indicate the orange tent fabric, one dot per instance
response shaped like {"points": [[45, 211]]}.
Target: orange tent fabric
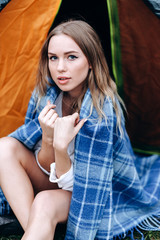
{"points": [[23, 28]]}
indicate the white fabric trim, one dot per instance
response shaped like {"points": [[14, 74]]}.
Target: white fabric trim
{"points": [[65, 181], [36, 156]]}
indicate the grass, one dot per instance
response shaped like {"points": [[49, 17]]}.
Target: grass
{"points": [[150, 235]]}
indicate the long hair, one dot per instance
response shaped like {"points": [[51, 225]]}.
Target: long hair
{"points": [[99, 81]]}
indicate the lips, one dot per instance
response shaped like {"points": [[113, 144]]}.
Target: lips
{"points": [[63, 80]]}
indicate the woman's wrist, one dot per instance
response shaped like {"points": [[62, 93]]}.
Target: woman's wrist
{"points": [[60, 147], [62, 160], [47, 140], [46, 153]]}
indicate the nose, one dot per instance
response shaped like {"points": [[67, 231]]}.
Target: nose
{"points": [[61, 67]]}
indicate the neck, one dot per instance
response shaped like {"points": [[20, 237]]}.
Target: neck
{"points": [[68, 104], [76, 92], [69, 97]]}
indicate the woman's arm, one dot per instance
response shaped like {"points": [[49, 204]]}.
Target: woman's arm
{"points": [[65, 129], [47, 119]]}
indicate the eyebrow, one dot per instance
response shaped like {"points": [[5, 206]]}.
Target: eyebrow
{"points": [[72, 51]]}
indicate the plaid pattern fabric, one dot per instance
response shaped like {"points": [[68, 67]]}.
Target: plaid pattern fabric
{"points": [[4, 206], [30, 133], [114, 190]]}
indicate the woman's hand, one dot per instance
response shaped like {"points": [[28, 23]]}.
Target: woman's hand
{"points": [[65, 129], [47, 119]]}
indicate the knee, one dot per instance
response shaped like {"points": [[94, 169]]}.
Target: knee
{"points": [[8, 146], [43, 207], [41, 202], [6, 142]]}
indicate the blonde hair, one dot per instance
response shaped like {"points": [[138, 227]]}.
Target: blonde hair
{"points": [[99, 81]]}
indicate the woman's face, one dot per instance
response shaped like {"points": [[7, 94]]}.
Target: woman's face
{"points": [[67, 64]]}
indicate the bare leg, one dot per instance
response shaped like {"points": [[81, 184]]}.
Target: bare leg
{"points": [[49, 208], [19, 177]]}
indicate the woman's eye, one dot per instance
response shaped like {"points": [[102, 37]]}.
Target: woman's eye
{"points": [[71, 57], [52, 58]]}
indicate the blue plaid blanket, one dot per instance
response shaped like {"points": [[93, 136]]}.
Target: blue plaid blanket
{"points": [[114, 189]]}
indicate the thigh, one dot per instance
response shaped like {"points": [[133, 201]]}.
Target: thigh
{"points": [[14, 152]]}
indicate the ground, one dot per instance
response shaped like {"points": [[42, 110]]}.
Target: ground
{"points": [[13, 231]]}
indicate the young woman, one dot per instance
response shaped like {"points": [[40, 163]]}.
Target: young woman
{"points": [[73, 151]]}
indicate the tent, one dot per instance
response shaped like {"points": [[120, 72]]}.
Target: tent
{"points": [[130, 33]]}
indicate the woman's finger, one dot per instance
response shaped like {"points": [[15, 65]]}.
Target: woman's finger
{"points": [[79, 125], [75, 116], [46, 109], [53, 118], [49, 114]]}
